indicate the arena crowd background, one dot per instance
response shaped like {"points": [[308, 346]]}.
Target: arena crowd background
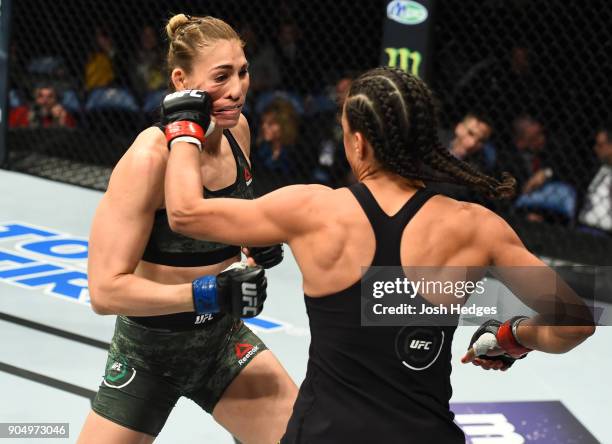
{"points": [[537, 72]]}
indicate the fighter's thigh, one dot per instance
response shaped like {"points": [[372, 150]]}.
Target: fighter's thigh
{"points": [[256, 406], [99, 430]]}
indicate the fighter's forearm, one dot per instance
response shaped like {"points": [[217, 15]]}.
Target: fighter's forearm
{"points": [[183, 187], [132, 295], [552, 339]]}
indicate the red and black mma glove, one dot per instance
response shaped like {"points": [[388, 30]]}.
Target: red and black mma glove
{"points": [[186, 116], [503, 336], [267, 257]]}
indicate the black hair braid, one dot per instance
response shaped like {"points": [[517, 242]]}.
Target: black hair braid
{"points": [[394, 113], [366, 118], [442, 160], [418, 116], [438, 157], [404, 145], [370, 123], [395, 133]]}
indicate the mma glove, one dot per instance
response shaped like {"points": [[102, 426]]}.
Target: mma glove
{"points": [[239, 290], [493, 334], [186, 117], [267, 257]]}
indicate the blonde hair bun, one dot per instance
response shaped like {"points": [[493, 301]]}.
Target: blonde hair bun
{"points": [[175, 23]]}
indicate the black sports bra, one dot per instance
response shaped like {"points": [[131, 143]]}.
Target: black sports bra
{"points": [[166, 247]]}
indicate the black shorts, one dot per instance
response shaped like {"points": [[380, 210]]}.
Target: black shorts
{"points": [[148, 370]]}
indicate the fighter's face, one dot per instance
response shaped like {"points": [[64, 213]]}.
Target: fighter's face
{"points": [[221, 70]]}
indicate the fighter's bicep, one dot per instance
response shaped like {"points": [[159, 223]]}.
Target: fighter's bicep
{"points": [[293, 210], [117, 240], [505, 247], [277, 217], [122, 223]]}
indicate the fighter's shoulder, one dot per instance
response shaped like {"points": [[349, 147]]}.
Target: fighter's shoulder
{"points": [[143, 163], [462, 221], [147, 154], [300, 194]]}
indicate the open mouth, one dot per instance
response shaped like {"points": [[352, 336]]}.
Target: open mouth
{"points": [[229, 109]]}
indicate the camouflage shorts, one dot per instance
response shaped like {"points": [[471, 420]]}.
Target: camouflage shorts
{"points": [[148, 370]]}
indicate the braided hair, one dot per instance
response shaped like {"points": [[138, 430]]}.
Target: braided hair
{"points": [[395, 111]]}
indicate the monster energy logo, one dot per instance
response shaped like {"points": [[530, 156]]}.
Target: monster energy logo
{"points": [[404, 59]]}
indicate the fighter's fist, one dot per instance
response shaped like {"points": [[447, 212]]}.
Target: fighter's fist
{"points": [[267, 257], [239, 290], [186, 116]]}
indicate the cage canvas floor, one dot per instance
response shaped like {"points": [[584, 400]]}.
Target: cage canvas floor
{"points": [[52, 352]]}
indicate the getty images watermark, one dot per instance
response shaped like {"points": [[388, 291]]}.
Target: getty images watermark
{"points": [[449, 296]]}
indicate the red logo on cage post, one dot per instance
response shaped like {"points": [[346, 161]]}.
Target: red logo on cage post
{"points": [[248, 177]]}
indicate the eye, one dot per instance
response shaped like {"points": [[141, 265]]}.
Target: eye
{"points": [[243, 72], [221, 78]]}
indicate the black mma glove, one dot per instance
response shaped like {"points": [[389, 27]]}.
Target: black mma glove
{"points": [[502, 337], [239, 290], [267, 257], [186, 116]]}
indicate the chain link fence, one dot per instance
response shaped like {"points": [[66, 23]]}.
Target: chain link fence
{"points": [[523, 86]]}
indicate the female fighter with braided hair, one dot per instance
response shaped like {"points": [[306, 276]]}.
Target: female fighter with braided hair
{"points": [[372, 384], [174, 337]]}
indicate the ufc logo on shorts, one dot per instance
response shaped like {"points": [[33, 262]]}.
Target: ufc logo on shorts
{"points": [[420, 345], [249, 296]]}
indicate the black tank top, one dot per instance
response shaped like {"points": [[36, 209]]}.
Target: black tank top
{"points": [[166, 247], [357, 388]]}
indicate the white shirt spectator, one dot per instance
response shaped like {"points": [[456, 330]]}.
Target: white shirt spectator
{"points": [[597, 210]]}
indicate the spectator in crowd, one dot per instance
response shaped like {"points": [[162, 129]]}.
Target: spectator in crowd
{"points": [[528, 159], [541, 172], [468, 141], [147, 73], [274, 156], [264, 69], [324, 133], [101, 70], [45, 112], [596, 214]]}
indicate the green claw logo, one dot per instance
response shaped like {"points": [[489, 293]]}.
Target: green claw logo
{"points": [[405, 59]]}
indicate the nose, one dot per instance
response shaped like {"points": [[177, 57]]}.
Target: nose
{"points": [[235, 88]]}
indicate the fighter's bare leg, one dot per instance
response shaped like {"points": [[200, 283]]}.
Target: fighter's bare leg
{"points": [[99, 430], [257, 405]]}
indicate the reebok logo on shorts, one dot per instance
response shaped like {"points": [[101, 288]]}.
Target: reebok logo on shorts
{"points": [[244, 352]]}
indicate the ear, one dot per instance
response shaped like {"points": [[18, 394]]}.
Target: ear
{"points": [[178, 79], [359, 145]]}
